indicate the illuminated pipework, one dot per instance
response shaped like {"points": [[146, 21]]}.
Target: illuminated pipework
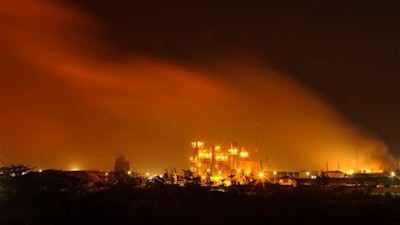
{"points": [[233, 151], [233, 158], [204, 154], [221, 157], [197, 144], [216, 163]]}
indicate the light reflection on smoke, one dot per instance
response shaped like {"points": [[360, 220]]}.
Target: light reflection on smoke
{"points": [[169, 101]]}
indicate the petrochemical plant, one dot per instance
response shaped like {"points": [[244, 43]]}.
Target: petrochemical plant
{"points": [[216, 165]]}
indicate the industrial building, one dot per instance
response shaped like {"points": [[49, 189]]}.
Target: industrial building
{"points": [[220, 165], [121, 164]]}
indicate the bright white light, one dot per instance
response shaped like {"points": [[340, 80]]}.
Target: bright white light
{"points": [[350, 172]]}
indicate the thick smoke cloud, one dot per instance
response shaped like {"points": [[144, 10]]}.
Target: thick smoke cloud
{"points": [[69, 102]]}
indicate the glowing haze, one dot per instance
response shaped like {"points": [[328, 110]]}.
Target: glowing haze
{"points": [[70, 101]]}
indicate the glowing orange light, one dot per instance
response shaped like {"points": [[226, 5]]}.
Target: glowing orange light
{"points": [[244, 154], [233, 151], [221, 157], [350, 172], [197, 144]]}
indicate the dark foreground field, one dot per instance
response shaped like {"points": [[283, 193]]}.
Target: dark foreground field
{"points": [[199, 205]]}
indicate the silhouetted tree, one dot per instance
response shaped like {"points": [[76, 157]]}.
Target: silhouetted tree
{"points": [[190, 179], [14, 170]]}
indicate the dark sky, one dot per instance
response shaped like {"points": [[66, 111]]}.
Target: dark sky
{"points": [[86, 79]]}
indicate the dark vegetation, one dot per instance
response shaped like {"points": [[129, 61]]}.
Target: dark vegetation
{"points": [[51, 197]]}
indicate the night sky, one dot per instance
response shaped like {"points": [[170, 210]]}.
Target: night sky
{"points": [[307, 83]]}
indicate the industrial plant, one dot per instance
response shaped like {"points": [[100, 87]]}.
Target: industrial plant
{"points": [[217, 182], [216, 165]]}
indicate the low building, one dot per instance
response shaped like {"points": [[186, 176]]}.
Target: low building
{"points": [[333, 174]]}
